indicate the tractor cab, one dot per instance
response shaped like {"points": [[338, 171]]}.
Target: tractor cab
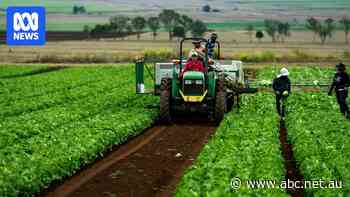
{"points": [[194, 83]]}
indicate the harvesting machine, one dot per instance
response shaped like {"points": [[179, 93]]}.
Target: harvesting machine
{"points": [[214, 91]]}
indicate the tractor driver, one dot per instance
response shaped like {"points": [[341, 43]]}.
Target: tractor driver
{"points": [[193, 64], [199, 49]]}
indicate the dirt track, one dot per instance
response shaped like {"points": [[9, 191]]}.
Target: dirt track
{"points": [[148, 165], [292, 169]]}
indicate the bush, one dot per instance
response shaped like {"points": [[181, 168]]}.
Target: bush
{"points": [[265, 56], [206, 8], [158, 54], [301, 55]]}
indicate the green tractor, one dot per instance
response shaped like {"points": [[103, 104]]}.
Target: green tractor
{"points": [[214, 91]]}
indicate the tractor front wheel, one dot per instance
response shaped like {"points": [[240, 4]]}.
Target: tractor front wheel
{"points": [[165, 95]]}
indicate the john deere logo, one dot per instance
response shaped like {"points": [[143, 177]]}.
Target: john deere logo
{"points": [[26, 26]]}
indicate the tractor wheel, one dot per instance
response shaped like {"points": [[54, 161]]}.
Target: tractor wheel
{"points": [[220, 101], [165, 94]]}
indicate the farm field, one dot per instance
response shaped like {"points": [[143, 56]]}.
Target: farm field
{"points": [[235, 44], [321, 152], [236, 149], [55, 121], [232, 15], [245, 145]]}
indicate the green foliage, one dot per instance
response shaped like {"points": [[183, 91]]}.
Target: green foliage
{"points": [[206, 8], [186, 22], [313, 25], [277, 29], [320, 137], [345, 23], [271, 28], [198, 28], [283, 30], [79, 9], [299, 74], [120, 25], [245, 145], [323, 29], [154, 24], [139, 23], [7, 71], [259, 35], [169, 19], [53, 124], [326, 29], [179, 32], [264, 56], [158, 54]]}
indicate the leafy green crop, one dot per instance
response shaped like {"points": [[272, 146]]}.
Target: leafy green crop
{"points": [[246, 145], [63, 120], [320, 137], [7, 71], [298, 75]]}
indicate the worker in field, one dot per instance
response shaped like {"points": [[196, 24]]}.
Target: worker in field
{"points": [[199, 49], [193, 64], [341, 83], [211, 45], [282, 88]]}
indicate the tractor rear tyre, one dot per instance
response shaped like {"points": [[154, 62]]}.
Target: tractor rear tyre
{"points": [[220, 101], [165, 95]]}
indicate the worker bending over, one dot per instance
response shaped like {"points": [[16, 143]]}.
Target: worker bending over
{"points": [[282, 88]]}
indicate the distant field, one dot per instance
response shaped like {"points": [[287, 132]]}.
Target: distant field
{"points": [[78, 25], [258, 24], [235, 44], [233, 15], [64, 6]]}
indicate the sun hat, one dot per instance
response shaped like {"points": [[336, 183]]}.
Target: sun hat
{"points": [[283, 72]]}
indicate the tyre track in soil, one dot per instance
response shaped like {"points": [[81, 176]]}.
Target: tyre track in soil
{"points": [[292, 170], [146, 165]]}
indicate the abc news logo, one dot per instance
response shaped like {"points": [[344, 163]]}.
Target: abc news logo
{"points": [[26, 26]]}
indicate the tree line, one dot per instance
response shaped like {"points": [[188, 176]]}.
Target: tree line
{"points": [[177, 25], [278, 31]]}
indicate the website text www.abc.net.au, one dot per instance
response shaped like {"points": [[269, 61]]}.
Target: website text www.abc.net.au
{"points": [[237, 183]]}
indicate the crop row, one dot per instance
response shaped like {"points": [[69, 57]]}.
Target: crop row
{"points": [[246, 145], [320, 137], [41, 146], [300, 75], [24, 126], [18, 103], [8, 71], [53, 82]]}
